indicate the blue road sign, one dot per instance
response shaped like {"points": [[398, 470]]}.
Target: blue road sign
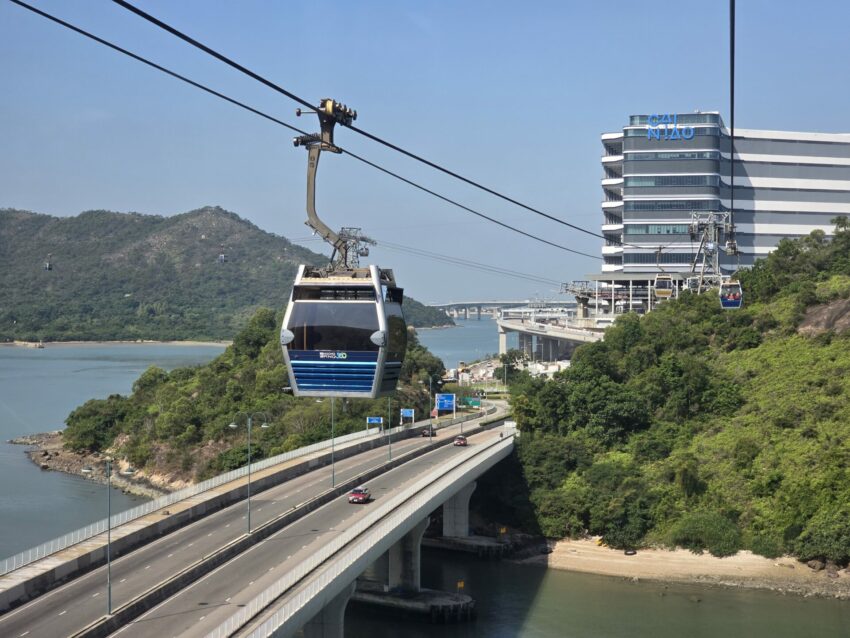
{"points": [[374, 420], [445, 401], [407, 413]]}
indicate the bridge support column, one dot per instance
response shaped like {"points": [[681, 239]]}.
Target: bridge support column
{"points": [[479, 313], [466, 313], [456, 513], [404, 564], [525, 344], [503, 341], [329, 623]]}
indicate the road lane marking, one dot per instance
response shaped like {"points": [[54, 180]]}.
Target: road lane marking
{"points": [[63, 613], [122, 580], [95, 595], [25, 633], [227, 600], [170, 555], [210, 534]]}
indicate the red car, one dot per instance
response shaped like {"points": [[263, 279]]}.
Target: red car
{"points": [[359, 495], [460, 441]]}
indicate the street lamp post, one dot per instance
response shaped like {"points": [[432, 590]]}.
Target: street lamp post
{"points": [[234, 425], [333, 469], [430, 408], [108, 537], [390, 426]]}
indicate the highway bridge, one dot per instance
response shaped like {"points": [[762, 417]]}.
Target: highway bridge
{"points": [[294, 570], [493, 307]]}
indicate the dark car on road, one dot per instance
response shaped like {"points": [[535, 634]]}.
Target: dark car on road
{"points": [[359, 495], [427, 432]]}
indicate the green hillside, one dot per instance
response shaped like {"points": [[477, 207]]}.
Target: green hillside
{"points": [[175, 424], [131, 276], [703, 428]]}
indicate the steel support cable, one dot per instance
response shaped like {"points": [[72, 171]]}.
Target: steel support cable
{"points": [[459, 261], [271, 118], [223, 58]]}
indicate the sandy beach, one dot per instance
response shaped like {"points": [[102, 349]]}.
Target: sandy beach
{"points": [[745, 569]]}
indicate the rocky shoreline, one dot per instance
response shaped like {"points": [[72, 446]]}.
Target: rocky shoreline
{"points": [[48, 453]]}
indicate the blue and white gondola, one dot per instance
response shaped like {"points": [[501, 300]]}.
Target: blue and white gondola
{"points": [[344, 334], [731, 295]]}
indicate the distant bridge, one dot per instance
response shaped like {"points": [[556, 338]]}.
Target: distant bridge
{"points": [[492, 307]]}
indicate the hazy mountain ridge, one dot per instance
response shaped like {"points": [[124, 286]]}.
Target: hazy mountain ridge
{"points": [[134, 276]]}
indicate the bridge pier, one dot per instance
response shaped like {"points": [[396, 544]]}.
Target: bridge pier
{"points": [[404, 573], [466, 313], [329, 623], [503, 341], [525, 344], [456, 512]]}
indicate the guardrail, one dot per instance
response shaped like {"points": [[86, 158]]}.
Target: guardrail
{"points": [[31, 555], [382, 519]]}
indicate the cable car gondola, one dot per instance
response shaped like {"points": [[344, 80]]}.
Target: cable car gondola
{"points": [[731, 295], [344, 333], [663, 286]]}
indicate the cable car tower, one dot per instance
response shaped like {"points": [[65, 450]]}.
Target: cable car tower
{"points": [[713, 231], [344, 333]]}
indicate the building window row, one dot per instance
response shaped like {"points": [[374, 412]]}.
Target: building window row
{"points": [[672, 204], [654, 258], [678, 155], [656, 229], [672, 180]]}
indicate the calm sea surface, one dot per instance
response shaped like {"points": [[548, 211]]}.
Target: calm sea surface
{"points": [[38, 388], [522, 601], [471, 340]]}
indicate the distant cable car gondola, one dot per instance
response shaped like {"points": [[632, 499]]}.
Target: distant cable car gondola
{"points": [[48, 265], [663, 286], [731, 295], [343, 334]]}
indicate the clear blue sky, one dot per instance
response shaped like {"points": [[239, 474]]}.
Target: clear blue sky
{"points": [[513, 95]]}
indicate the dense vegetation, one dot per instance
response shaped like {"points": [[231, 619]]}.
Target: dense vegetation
{"points": [[703, 428], [130, 276], [176, 424]]}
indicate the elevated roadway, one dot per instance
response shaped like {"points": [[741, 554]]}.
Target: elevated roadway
{"points": [[78, 607], [248, 583]]}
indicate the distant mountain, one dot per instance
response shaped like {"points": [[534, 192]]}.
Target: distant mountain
{"points": [[131, 276]]}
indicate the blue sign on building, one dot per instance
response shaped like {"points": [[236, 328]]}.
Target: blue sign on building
{"points": [[407, 413], [374, 420], [666, 127], [445, 401]]}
